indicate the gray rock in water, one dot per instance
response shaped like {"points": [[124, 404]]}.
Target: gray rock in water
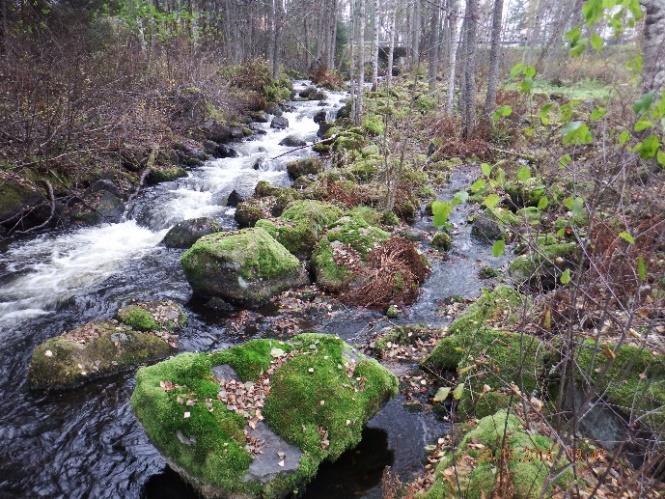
{"points": [[277, 456], [225, 372], [486, 230], [185, 233], [279, 122], [292, 141]]}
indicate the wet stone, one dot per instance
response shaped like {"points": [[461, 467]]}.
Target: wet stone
{"points": [[277, 456]]}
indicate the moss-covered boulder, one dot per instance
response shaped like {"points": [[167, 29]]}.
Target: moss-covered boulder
{"points": [[183, 234], [254, 209], [16, 199], [300, 167], [301, 225], [630, 378], [489, 362], [490, 225], [258, 419], [500, 457], [93, 351], [545, 263], [164, 315], [246, 267], [340, 254], [442, 241], [165, 174]]}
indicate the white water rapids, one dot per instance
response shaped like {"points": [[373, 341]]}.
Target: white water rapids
{"points": [[40, 273]]}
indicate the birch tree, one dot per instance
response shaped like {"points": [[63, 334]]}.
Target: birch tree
{"points": [[495, 57], [469, 85]]}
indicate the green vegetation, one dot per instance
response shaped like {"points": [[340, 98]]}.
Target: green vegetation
{"points": [[91, 351], [499, 452], [320, 399]]}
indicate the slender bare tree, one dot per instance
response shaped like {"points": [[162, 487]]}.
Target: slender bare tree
{"points": [[495, 57], [392, 28], [469, 85], [653, 78]]}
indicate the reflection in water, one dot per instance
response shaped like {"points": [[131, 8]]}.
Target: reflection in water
{"points": [[356, 471]]}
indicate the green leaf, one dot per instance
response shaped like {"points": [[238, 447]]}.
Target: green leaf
{"points": [[627, 236], [641, 268], [577, 133], [643, 124], [491, 201], [458, 391], [644, 103], [648, 148], [460, 198], [598, 114], [660, 157], [486, 168], [441, 394], [624, 137], [523, 174], [478, 185], [543, 202], [565, 277], [498, 248], [441, 211], [597, 42], [565, 160], [544, 114]]}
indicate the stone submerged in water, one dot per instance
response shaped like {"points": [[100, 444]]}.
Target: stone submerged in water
{"points": [[293, 141], [183, 234], [103, 348], [258, 419], [246, 267]]}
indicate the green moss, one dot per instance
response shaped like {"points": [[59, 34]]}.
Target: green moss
{"points": [[525, 193], [425, 103], [138, 318], [294, 404], [210, 444], [317, 213], [373, 124], [166, 174], [300, 167], [634, 380], [357, 233], [499, 437], [366, 213], [442, 241], [503, 305], [91, 351], [329, 275], [546, 261], [252, 251]]}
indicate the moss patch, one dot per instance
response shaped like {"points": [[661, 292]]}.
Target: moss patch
{"points": [[92, 351], [320, 399], [499, 444], [629, 377]]}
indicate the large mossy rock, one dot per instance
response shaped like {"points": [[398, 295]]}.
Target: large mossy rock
{"points": [[258, 419], [17, 199], [340, 254], [246, 267], [500, 457], [544, 264], [489, 362], [99, 349], [185, 233], [301, 225], [628, 377], [300, 167]]}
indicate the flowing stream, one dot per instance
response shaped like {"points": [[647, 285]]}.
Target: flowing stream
{"points": [[86, 442]]}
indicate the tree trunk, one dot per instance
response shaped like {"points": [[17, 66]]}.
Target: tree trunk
{"points": [[361, 62], [391, 41], [653, 77], [375, 45], [452, 57], [433, 69], [277, 16], [469, 87], [415, 38], [495, 57]]}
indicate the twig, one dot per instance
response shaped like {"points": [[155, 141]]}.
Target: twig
{"points": [[49, 188], [306, 146]]}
